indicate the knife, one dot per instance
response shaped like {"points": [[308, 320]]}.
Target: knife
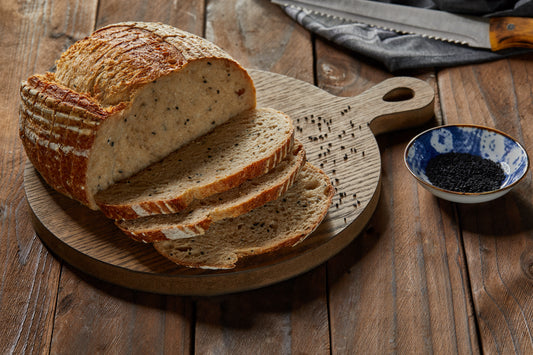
{"points": [[494, 33]]}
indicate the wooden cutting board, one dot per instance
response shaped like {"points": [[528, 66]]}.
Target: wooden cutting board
{"points": [[338, 134]]}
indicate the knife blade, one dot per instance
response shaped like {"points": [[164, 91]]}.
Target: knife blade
{"points": [[494, 33]]}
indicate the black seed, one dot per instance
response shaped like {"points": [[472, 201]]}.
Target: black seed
{"points": [[464, 172]]}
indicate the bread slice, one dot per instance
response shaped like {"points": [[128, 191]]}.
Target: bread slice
{"points": [[247, 146], [123, 98], [278, 224], [196, 219]]}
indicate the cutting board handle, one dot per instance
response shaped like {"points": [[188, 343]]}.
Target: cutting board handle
{"points": [[398, 103]]}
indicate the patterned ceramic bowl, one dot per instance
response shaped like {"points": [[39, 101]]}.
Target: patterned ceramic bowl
{"points": [[483, 142]]}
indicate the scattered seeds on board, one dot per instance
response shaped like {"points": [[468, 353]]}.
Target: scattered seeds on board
{"points": [[344, 146]]}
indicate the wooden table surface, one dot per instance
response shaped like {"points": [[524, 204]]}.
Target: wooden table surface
{"points": [[426, 275]]}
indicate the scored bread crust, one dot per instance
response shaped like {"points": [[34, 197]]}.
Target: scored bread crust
{"points": [[57, 127], [278, 224], [196, 219], [96, 80], [204, 167], [112, 63]]}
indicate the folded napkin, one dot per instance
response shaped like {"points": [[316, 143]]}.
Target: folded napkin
{"points": [[398, 52]]}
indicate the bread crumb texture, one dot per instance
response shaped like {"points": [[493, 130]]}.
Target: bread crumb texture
{"points": [[247, 146]]}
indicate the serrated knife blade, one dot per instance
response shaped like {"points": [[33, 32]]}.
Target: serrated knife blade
{"points": [[495, 33]]}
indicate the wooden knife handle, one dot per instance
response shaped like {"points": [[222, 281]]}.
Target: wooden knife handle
{"points": [[510, 32]]}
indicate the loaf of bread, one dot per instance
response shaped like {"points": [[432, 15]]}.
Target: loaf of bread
{"points": [[197, 218], [278, 224], [159, 129], [122, 99], [248, 145]]}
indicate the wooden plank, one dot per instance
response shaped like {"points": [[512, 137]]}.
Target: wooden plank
{"points": [[93, 318], [260, 36], [100, 318], [497, 234], [402, 285], [290, 317], [33, 34], [187, 15]]}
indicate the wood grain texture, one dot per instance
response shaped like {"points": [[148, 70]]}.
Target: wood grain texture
{"points": [[96, 318], [510, 32], [402, 285], [497, 234], [186, 15], [33, 34], [260, 36]]}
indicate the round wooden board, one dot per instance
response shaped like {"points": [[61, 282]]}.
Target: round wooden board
{"points": [[338, 135]]}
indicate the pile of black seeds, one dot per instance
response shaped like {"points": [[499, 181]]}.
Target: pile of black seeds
{"points": [[464, 172]]}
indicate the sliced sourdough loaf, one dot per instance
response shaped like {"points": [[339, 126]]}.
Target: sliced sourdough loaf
{"points": [[197, 217], [247, 146], [281, 223], [123, 98]]}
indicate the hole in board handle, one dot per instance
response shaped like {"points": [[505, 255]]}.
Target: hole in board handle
{"points": [[399, 94]]}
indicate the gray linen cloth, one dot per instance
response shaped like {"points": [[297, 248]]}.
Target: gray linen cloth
{"points": [[399, 52]]}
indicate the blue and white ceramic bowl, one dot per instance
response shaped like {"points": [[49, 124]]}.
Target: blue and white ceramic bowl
{"points": [[477, 140]]}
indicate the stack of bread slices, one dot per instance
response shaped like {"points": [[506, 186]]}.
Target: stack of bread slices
{"points": [[159, 129]]}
